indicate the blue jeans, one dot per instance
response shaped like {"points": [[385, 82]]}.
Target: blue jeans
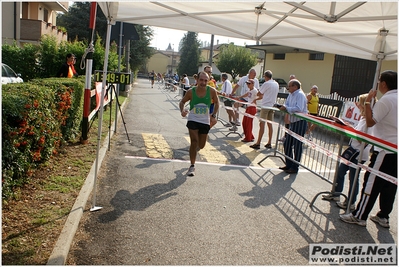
{"points": [[291, 143], [342, 170]]}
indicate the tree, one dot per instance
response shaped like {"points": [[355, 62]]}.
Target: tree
{"points": [[140, 50], [189, 54], [77, 21], [235, 60]]}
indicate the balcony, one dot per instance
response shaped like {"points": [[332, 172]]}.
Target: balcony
{"points": [[33, 30]]}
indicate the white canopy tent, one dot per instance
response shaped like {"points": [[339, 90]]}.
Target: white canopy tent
{"points": [[344, 28], [367, 30]]}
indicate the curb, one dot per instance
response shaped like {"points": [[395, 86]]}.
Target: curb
{"points": [[61, 248]]}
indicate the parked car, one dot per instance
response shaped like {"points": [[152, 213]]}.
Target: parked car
{"points": [[8, 75], [281, 82]]}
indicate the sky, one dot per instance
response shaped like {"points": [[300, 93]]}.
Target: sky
{"points": [[162, 37]]}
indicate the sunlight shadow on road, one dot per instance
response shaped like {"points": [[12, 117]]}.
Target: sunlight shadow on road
{"points": [[143, 198]]}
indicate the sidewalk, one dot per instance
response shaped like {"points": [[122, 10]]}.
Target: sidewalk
{"points": [[227, 214]]}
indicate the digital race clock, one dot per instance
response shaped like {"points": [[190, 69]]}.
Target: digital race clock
{"points": [[114, 77]]}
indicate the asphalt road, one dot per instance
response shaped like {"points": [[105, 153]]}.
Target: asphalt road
{"points": [[232, 212]]}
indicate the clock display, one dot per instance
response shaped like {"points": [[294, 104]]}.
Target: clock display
{"points": [[114, 77]]}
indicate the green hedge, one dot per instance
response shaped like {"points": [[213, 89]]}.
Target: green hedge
{"points": [[37, 118]]}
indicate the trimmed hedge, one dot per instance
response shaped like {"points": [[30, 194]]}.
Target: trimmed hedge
{"points": [[37, 118]]}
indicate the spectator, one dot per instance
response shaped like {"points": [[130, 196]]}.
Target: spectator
{"points": [[186, 84], [268, 93], [227, 89], [313, 107], [286, 118], [199, 119], [296, 103], [240, 89], [384, 118], [67, 69], [247, 122], [343, 168], [211, 82]]}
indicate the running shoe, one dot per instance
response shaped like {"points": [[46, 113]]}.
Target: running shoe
{"points": [[233, 129], [342, 205], [191, 171]]}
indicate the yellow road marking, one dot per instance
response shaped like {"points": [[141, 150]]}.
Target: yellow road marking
{"points": [[211, 154], [254, 155], [156, 146]]}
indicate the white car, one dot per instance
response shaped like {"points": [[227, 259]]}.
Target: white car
{"points": [[8, 75]]}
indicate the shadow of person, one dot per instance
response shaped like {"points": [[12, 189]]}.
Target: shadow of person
{"points": [[270, 193], [142, 198]]}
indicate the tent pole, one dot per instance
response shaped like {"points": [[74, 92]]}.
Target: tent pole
{"points": [[100, 120], [380, 56]]}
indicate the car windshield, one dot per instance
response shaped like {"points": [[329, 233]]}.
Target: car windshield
{"points": [[8, 72]]}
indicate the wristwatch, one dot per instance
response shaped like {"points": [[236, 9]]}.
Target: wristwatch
{"points": [[213, 115]]}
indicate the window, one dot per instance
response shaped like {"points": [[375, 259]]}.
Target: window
{"points": [[316, 56], [279, 56]]}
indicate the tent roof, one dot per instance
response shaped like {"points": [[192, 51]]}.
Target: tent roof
{"points": [[344, 28]]}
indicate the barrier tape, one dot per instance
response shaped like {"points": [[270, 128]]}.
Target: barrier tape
{"points": [[348, 131], [343, 129]]}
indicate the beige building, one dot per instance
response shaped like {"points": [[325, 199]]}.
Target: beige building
{"points": [[26, 22], [331, 73], [163, 61]]}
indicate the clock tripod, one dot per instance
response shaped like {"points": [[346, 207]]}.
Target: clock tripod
{"points": [[112, 88]]}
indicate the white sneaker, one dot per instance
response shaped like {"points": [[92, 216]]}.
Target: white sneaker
{"points": [[342, 205], [228, 124], [191, 171], [349, 218], [238, 123], [330, 197], [381, 221]]}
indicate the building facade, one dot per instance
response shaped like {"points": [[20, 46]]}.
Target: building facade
{"points": [[27, 22]]}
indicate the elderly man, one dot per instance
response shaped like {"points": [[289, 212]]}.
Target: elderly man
{"points": [[268, 93], [296, 103]]}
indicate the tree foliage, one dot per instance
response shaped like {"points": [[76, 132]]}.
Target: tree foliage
{"points": [[77, 22], [140, 50], [189, 54], [235, 60]]}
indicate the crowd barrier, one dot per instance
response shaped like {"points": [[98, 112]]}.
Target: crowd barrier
{"points": [[322, 152]]}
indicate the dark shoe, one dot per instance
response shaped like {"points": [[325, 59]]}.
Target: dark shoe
{"points": [[291, 171], [255, 146], [246, 141], [268, 146], [283, 168]]}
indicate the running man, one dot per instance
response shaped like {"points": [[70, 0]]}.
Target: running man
{"points": [[199, 118]]}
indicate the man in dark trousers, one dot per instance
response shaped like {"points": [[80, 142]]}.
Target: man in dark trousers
{"points": [[384, 118], [67, 69]]}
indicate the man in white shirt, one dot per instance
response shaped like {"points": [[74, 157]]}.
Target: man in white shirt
{"points": [[241, 88], [186, 84], [268, 93], [227, 89], [384, 119]]}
